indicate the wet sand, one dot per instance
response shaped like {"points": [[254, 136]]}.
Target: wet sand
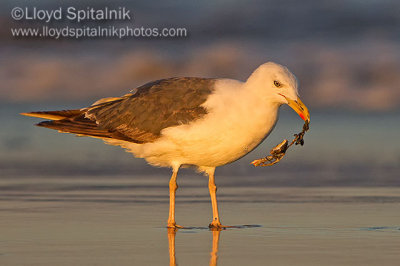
{"points": [[120, 221]]}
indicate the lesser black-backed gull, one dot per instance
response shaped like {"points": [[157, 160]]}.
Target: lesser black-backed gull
{"points": [[178, 122]]}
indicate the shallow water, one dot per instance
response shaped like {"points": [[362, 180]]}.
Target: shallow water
{"points": [[341, 149], [75, 201], [121, 221]]}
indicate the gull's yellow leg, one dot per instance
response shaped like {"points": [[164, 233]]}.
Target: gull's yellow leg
{"points": [[173, 186], [213, 194]]}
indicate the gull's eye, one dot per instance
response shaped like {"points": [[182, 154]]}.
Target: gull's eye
{"points": [[277, 84]]}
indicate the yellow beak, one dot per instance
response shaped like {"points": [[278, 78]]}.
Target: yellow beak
{"points": [[299, 107]]}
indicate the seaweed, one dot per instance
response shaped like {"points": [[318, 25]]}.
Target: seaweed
{"points": [[279, 151]]}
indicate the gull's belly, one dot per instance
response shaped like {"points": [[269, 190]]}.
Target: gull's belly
{"points": [[218, 151], [215, 144]]}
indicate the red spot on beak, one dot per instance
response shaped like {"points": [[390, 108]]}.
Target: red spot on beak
{"points": [[302, 116]]}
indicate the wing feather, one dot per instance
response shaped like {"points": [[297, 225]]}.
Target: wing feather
{"points": [[139, 116]]}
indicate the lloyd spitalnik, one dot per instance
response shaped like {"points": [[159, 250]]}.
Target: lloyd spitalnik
{"points": [[74, 14]]}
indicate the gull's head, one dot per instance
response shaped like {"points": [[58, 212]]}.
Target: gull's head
{"points": [[278, 85]]}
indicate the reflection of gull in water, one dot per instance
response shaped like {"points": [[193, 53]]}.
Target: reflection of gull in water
{"points": [[171, 246], [215, 244], [179, 122], [214, 252]]}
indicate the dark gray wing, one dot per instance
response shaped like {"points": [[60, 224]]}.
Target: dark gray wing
{"points": [[141, 116]]}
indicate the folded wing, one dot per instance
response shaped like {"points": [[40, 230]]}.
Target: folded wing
{"points": [[137, 117]]}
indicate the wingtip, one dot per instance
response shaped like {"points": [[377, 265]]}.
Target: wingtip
{"points": [[51, 115], [28, 114], [41, 124]]}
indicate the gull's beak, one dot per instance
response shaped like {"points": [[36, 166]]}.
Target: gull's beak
{"points": [[299, 107]]}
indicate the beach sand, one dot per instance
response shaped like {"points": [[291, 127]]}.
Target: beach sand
{"points": [[121, 221]]}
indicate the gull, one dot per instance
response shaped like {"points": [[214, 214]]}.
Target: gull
{"points": [[188, 122]]}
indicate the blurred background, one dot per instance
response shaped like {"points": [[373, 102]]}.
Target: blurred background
{"points": [[345, 54]]}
